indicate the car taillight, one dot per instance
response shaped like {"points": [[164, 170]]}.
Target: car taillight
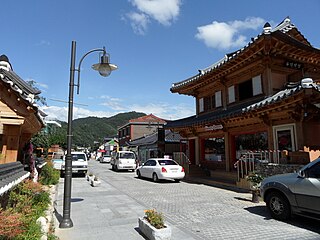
{"points": [[182, 169], [163, 169]]}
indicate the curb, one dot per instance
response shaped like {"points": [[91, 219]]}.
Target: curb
{"points": [[46, 222]]}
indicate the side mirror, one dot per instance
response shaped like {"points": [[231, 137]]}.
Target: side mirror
{"points": [[301, 174]]}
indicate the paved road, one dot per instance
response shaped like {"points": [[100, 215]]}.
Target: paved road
{"points": [[207, 212]]}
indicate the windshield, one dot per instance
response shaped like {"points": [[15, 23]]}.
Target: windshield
{"points": [[310, 164], [167, 162], [127, 155], [76, 157]]}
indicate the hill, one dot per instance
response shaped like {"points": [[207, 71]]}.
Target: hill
{"points": [[88, 130]]}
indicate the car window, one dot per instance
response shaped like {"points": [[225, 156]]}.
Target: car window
{"points": [[167, 162], [76, 157], [127, 155], [314, 171], [147, 163], [153, 163]]}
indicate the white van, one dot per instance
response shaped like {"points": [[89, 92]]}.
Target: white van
{"points": [[123, 160], [79, 163]]}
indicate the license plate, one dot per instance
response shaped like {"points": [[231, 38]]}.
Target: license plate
{"points": [[174, 171]]}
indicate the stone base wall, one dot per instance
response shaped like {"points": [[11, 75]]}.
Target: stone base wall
{"points": [[269, 169]]}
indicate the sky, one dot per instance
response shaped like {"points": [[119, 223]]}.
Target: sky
{"points": [[154, 43]]}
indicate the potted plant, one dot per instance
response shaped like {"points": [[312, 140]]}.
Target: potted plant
{"points": [[95, 181], [153, 227], [89, 176], [255, 182]]}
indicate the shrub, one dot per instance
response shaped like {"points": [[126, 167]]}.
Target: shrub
{"points": [[49, 175], [27, 202], [255, 179], [10, 224], [154, 218]]}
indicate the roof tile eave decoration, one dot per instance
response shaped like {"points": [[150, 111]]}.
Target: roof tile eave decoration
{"points": [[239, 110], [25, 91], [11, 174], [285, 26], [280, 96]]}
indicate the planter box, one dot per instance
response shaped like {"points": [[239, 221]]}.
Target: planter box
{"points": [[152, 233], [95, 183]]}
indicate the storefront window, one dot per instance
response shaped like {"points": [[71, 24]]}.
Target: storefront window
{"points": [[214, 149], [251, 142]]}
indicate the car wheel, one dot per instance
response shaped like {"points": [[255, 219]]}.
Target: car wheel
{"points": [[155, 177], [278, 206], [139, 174]]}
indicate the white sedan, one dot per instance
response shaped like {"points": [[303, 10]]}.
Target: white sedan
{"points": [[161, 168]]}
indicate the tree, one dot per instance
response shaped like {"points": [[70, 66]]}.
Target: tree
{"points": [[39, 99]]}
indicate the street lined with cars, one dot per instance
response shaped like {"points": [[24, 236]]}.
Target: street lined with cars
{"points": [[206, 212], [161, 169]]}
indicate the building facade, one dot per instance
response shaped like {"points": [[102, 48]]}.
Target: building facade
{"points": [[263, 100], [20, 119], [139, 127]]}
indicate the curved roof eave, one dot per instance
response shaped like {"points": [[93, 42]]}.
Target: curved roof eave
{"points": [[284, 27]]}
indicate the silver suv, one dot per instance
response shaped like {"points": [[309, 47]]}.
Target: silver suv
{"points": [[294, 193]]}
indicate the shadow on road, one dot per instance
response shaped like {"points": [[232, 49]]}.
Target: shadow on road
{"points": [[297, 221]]}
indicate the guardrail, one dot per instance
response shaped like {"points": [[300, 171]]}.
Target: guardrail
{"points": [[248, 159]]}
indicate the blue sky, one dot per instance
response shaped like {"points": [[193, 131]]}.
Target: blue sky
{"points": [[154, 43]]}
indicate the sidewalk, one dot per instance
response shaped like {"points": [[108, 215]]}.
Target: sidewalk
{"points": [[102, 212]]}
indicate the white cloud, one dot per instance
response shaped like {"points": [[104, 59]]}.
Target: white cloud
{"points": [[162, 11], [165, 110], [225, 35], [139, 22], [61, 113], [162, 110], [43, 42]]}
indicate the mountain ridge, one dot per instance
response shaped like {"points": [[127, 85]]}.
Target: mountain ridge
{"points": [[88, 130]]}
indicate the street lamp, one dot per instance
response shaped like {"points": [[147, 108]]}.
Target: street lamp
{"points": [[105, 68]]}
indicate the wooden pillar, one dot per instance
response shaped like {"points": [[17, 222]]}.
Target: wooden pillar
{"points": [[299, 136], [227, 146], [10, 147]]}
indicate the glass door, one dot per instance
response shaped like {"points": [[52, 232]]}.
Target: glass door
{"points": [[284, 138]]}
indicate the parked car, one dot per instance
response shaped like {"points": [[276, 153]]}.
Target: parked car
{"points": [[161, 168], [294, 193], [79, 163], [105, 159], [123, 160]]}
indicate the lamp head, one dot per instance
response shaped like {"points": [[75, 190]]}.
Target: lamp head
{"points": [[104, 67]]}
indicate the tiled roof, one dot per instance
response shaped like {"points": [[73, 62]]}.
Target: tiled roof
{"points": [[281, 95], [243, 108], [25, 91], [147, 119], [285, 26], [11, 174]]}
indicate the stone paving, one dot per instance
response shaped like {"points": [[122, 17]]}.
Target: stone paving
{"points": [[207, 212]]}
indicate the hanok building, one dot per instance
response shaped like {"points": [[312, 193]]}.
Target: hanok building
{"points": [[264, 97], [20, 119]]}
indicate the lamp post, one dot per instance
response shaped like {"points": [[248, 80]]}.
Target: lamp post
{"points": [[105, 68]]}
